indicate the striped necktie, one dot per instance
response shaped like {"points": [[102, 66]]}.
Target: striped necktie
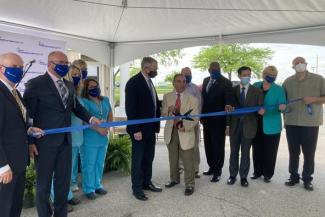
{"points": [[64, 92], [20, 104]]}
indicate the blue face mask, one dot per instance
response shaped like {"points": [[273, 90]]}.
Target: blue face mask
{"points": [[76, 80], [94, 92], [215, 74], [61, 69], [14, 74], [188, 79], [245, 80], [84, 74], [269, 79]]}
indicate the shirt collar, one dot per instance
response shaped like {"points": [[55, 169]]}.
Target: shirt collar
{"points": [[7, 85], [307, 76], [145, 76], [246, 86], [54, 78]]}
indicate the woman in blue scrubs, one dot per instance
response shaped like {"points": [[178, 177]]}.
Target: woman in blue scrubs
{"points": [[93, 151]]}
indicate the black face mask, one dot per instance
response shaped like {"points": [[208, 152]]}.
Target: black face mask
{"points": [[153, 74]]}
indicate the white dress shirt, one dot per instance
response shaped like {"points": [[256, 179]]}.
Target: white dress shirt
{"points": [[194, 90]]}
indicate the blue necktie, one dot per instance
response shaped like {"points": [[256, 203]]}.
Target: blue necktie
{"points": [[242, 96]]}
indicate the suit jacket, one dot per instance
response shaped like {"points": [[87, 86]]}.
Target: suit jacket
{"points": [[187, 138], [13, 136], [139, 104], [219, 95], [46, 109], [254, 97]]}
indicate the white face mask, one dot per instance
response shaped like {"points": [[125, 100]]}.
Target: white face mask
{"points": [[301, 67]]}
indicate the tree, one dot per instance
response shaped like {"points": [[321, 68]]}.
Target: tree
{"points": [[233, 56], [169, 58], [170, 77]]}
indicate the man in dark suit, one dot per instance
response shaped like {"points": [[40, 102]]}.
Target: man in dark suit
{"points": [[141, 101], [50, 100], [13, 137], [217, 96], [243, 127]]}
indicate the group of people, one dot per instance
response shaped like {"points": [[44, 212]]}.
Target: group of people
{"points": [[64, 97], [253, 118], [61, 97]]}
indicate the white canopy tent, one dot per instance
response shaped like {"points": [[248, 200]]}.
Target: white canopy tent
{"points": [[117, 31]]}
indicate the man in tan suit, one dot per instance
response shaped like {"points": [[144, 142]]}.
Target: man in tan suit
{"points": [[180, 134]]}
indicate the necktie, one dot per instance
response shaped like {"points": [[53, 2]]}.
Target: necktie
{"points": [[20, 104], [177, 108], [153, 94], [64, 92], [242, 96], [211, 82]]}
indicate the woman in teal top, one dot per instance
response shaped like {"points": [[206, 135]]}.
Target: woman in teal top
{"points": [[266, 142], [93, 151]]}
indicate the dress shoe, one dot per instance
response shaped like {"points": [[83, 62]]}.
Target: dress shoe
{"points": [[101, 191], [141, 197], [208, 173], [197, 175], [244, 182], [171, 184], [91, 196], [69, 208], [231, 180], [215, 178], [74, 201], [291, 182], [189, 191], [308, 186], [255, 176], [153, 188], [267, 179]]}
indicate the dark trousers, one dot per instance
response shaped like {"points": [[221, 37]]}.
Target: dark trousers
{"points": [[302, 139], [11, 196], [265, 150], [53, 162], [239, 141], [214, 143], [143, 153]]}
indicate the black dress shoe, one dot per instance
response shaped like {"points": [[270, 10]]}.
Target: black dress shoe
{"points": [[197, 175], [171, 184], [153, 188], [308, 186], [267, 179], [215, 178], [91, 196], [231, 180], [244, 182], [141, 197], [291, 182], [74, 201], [101, 191], [189, 191], [208, 173], [255, 176]]}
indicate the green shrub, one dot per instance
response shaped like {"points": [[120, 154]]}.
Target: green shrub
{"points": [[119, 154], [29, 194]]}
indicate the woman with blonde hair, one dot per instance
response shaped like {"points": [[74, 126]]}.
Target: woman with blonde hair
{"points": [[266, 142]]}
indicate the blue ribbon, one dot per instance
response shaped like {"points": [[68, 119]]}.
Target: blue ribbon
{"points": [[151, 120]]}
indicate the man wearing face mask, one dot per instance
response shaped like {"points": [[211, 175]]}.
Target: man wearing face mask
{"points": [[50, 101], [13, 136], [217, 96], [302, 120], [141, 101], [194, 90], [243, 127]]}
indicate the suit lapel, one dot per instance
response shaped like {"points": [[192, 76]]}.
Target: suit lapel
{"points": [[145, 84], [248, 95], [11, 98], [184, 103], [51, 84]]}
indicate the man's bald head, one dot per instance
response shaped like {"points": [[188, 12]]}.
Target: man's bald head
{"points": [[11, 60], [186, 71], [214, 66]]}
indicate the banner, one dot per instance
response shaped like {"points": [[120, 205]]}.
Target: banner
{"points": [[29, 48]]}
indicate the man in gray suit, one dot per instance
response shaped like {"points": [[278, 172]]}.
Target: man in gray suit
{"points": [[243, 128]]}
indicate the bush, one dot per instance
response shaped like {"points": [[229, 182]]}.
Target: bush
{"points": [[119, 154], [29, 194]]}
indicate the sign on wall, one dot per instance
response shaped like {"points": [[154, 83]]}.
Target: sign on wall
{"points": [[29, 48]]}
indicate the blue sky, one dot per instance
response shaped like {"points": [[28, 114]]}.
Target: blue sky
{"points": [[282, 58]]}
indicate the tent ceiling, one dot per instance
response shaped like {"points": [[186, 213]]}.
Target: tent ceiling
{"points": [[143, 21]]}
